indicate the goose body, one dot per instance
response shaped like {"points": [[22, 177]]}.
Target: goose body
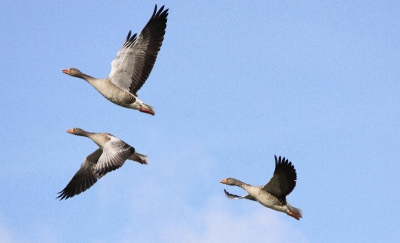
{"points": [[132, 65], [273, 194], [111, 154]]}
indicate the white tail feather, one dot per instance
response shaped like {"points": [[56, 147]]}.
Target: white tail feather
{"points": [[141, 158]]}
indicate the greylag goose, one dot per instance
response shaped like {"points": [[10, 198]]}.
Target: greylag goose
{"points": [[132, 65], [111, 154], [273, 194]]}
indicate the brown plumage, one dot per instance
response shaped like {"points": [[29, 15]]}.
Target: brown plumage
{"points": [[283, 181], [273, 194], [146, 47], [132, 65], [111, 155]]}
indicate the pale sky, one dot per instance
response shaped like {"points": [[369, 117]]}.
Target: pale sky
{"points": [[235, 83]]}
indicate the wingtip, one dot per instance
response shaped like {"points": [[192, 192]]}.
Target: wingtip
{"points": [[155, 10], [281, 160], [231, 196], [62, 196], [227, 193], [160, 11]]}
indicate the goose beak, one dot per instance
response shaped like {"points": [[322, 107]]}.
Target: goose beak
{"points": [[223, 181], [66, 71], [70, 131]]}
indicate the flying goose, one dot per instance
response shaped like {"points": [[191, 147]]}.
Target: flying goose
{"points": [[273, 194], [132, 65], [111, 154]]}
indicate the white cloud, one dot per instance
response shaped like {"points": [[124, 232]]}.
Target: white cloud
{"points": [[218, 223], [38, 231], [5, 234], [220, 220], [180, 200]]}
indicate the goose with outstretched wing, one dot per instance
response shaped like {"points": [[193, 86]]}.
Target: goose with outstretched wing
{"points": [[111, 155], [273, 194], [132, 65]]}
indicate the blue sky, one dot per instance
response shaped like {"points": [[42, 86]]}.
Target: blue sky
{"points": [[234, 84]]}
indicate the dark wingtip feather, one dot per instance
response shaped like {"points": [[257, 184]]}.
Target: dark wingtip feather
{"points": [[283, 164], [282, 160], [157, 13], [161, 11], [155, 9], [129, 35], [230, 196], [133, 37], [72, 190], [129, 38], [63, 195]]}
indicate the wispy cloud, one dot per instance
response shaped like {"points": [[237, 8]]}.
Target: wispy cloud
{"points": [[39, 231], [172, 202], [5, 234], [176, 199], [217, 223], [218, 220]]}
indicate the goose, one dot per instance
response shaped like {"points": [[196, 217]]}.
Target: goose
{"points": [[273, 194], [132, 65], [111, 154]]}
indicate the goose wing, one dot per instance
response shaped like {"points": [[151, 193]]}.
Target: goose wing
{"points": [[84, 178], [135, 60], [232, 196], [283, 181], [115, 153]]}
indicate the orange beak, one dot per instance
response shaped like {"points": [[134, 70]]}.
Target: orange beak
{"points": [[223, 181], [66, 71], [70, 131]]}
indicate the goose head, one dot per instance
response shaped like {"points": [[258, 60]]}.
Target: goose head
{"points": [[77, 131], [73, 72], [231, 182]]}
